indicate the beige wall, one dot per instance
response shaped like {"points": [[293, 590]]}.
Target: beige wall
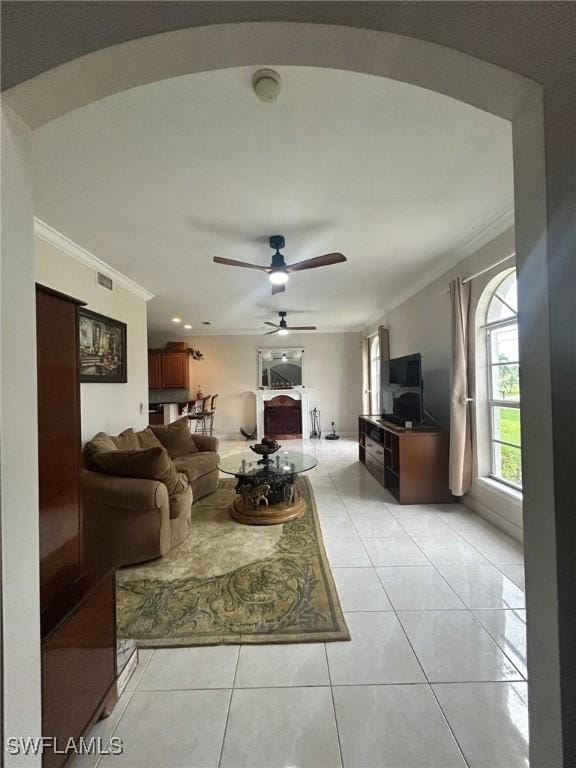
{"points": [[332, 371], [105, 407], [422, 324]]}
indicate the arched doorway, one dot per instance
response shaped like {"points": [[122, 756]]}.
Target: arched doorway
{"points": [[413, 61]]}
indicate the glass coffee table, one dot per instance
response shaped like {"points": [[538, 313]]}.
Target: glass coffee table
{"points": [[267, 493]]}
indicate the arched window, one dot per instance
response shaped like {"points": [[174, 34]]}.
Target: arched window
{"points": [[375, 375], [503, 386]]}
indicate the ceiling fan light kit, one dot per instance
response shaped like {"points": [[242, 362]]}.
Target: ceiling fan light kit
{"points": [[278, 277]]}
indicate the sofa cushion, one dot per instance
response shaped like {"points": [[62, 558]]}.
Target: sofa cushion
{"points": [[175, 437], [147, 439], [196, 465], [149, 463]]}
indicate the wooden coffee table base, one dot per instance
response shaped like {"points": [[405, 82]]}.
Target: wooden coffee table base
{"points": [[270, 515]]}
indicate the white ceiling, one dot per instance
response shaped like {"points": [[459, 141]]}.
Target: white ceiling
{"points": [[158, 180]]}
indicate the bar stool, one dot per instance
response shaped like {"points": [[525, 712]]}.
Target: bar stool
{"points": [[211, 412], [199, 415]]}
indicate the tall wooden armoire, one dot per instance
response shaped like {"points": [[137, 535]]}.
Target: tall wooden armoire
{"points": [[77, 608]]}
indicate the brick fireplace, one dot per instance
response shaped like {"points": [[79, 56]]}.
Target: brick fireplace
{"points": [[283, 417]]}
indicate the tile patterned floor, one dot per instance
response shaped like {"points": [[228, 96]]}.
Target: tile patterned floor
{"points": [[434, 677]]}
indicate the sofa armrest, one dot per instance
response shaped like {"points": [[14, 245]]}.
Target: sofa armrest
{"points": [[123, 492], [125, 520], [205, 443]]}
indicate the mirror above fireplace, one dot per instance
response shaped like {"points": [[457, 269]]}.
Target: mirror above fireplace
{"points": [[281, 368]]}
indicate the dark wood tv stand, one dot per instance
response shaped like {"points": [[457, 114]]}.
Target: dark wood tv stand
{"points": [[412, 464]]}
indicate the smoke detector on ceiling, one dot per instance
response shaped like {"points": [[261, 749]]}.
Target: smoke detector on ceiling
{"points": [[267, 84]]}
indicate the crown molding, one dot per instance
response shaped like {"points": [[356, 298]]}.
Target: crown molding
{"points": [[70, 248], [494, 227], [469, 245]]}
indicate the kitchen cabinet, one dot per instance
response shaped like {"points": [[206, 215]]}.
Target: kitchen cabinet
{"points": [[155, 368], [168, 369]]}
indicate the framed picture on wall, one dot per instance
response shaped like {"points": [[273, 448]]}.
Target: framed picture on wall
{"points": [[102, 349]]}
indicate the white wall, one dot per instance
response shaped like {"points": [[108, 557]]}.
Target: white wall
{"points": [[105, 407], [422, 324], [332, 370], [19, 471]]}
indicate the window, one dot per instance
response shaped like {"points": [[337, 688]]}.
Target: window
{"points": [[375, 375], [504, 382]]}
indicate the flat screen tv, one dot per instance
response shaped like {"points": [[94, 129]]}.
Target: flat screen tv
{"points": [[404, 389]]}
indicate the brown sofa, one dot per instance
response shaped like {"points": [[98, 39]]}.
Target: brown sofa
{"points": [[128, 520]]}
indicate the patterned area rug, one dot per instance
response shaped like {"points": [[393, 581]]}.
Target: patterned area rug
{"points": [[234, 583]]}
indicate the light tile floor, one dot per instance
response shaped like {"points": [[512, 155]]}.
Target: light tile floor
{"points": [[434, 676]]}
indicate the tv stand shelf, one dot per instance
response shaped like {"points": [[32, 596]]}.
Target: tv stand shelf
{"points": [[412, 464]]}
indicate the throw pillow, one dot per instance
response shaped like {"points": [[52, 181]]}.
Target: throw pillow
{"points": [[175, 437], [126, 441], [147, 439], [149, 463], [100, 442]]}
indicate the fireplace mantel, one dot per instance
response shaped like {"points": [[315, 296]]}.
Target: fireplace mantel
{"points": [[298, 393]]}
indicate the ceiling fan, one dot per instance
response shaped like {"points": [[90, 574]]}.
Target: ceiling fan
{"points": [[283, 329], [279, 271]]}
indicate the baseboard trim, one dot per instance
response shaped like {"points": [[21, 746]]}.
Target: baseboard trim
{"points": [[515, 531], [239, 436]]}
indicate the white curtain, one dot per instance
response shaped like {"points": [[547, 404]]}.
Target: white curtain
{"points": [[460, 430], [384, 336], [366, 375]]}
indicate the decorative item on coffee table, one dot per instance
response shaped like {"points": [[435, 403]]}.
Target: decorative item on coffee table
{"points": [[265, 449]]}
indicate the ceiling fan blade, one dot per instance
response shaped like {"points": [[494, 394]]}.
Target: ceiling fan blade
{"points": [[269, 333], [301, 327], [272, 324], [234, 263], [319, 261], [278, 288]]}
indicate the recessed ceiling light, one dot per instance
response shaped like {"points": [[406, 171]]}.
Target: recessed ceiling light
{"points": [[187, 327], [176, 320]]}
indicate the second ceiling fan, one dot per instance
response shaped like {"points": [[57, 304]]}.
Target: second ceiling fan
{"points": [[283, 328], [279, 271]]}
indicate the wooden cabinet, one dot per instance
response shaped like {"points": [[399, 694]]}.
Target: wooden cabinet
{"points": [[174, 369], [78, 661], [78, 627], [155, 368], [59, 447], [412, 464], [168, 369]]}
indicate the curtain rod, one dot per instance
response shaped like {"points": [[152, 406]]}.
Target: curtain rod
{"points": [[483, 271], [487, 269]]}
